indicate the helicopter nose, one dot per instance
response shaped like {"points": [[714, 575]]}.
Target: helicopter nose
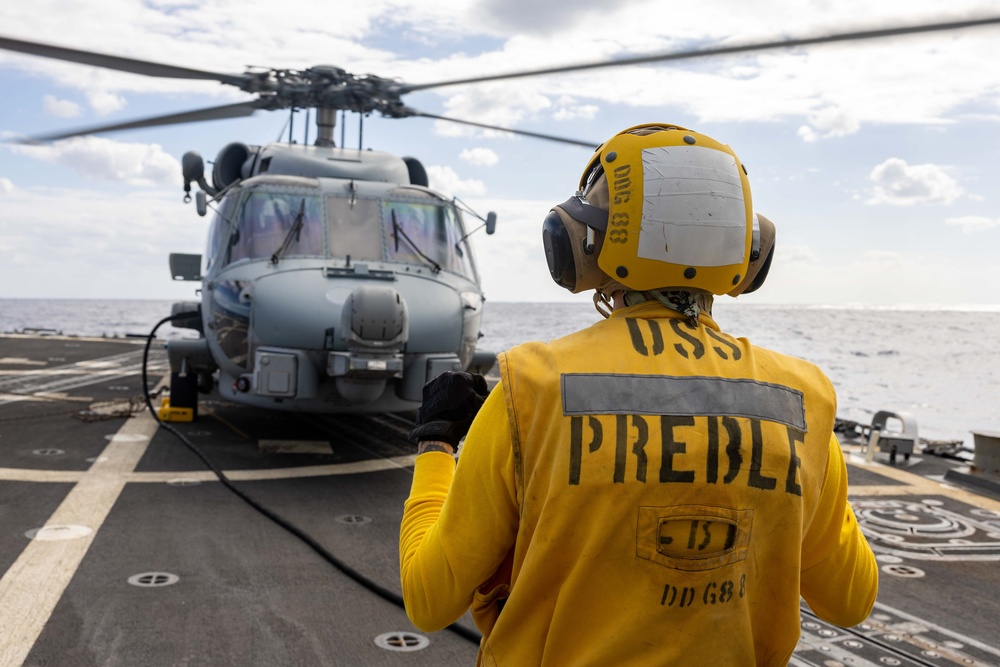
{"points": [[376, 317], [376, 322]]}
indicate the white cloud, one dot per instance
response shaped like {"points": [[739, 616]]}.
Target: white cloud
{"points": [[833, 121], [492, 106], [481, 157], [902, 184], [446, 181], [893, 95], [118, 241], [974, 223], [104, 102], [835, 89], [795, 253], [807, 134], [60, 108], [97, 158], [6, 186], [567, 108]]}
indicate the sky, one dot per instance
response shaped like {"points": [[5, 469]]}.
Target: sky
{"points": [[875, 159]]}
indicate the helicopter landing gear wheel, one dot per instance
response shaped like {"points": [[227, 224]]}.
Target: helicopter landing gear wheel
{"points": [[206, 382], [184, 392]]}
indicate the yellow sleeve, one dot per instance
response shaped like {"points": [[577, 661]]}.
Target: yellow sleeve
{"points": [[839, 573], [459, 521]]}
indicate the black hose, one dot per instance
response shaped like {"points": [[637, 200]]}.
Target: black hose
{"points": [[381, 591], [346, 569]]}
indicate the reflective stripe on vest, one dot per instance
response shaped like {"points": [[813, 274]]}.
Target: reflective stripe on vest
{"points": [[611, 393]]}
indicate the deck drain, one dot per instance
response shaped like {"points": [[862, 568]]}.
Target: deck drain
{"points": [[903, 571], [48, 451], [182, 481], [153, 579], [58, 533], [355, 519], [403, 642], [889, 661]]}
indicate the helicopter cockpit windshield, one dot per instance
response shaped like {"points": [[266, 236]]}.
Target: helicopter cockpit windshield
{"points": [[274, 224], [425, 232], [415, 228], [411, 227]]}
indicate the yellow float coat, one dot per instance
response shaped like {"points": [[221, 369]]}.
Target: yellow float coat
{"points": [[642, 493]]}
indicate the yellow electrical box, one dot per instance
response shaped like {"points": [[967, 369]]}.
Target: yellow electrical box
{"points": [[169, 414]]}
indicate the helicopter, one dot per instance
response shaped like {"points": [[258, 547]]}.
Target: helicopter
{"points": [[334, 280]]}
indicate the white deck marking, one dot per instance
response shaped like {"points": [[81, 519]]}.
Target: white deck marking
{"points": [[24, 385], [353, 468], [22, 361], [31, 588], [913, 484]]}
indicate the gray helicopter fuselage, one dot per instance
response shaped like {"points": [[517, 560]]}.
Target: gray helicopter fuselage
{"points": [[331, 294]]}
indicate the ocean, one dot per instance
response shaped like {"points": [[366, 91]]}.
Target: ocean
{"points": [[942, 365]]}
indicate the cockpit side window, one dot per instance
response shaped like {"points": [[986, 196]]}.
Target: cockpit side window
{"points": [[271, 221], [221, 223]]}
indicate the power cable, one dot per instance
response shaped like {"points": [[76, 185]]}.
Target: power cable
{"points": [[381, 591]]}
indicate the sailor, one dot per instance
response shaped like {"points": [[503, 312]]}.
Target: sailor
{"points": [[649, 490]]}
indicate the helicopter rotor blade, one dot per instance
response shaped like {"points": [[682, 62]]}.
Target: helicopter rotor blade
{"points": [[536, 135], [717, 51], [238, 110], [119, 63]]}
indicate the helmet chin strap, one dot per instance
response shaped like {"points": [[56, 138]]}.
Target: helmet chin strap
{"points": [[603, 304], [604, 296]]}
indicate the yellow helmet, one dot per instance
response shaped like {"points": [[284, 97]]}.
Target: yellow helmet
{"points": [[675, 211]]}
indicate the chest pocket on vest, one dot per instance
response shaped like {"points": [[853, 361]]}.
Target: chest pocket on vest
{"points": [[693, 537]]}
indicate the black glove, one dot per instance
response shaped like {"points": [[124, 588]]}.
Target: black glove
{"points": [[451, 401]]}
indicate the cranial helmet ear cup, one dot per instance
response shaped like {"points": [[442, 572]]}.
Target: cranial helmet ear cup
{"points": [[758, 268], [570, 264], [761, 274], [558, 251]]}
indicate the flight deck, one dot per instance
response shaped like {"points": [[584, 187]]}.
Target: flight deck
{"points": [[122, 548]]}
